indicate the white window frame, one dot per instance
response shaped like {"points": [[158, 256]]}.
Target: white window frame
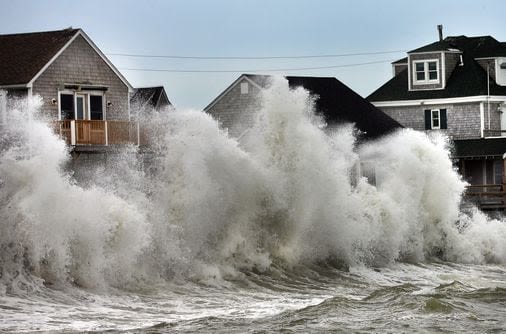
{"points": [[87, 95], [425, 63], [432, 118]]}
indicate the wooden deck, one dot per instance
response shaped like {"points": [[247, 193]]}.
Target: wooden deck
{"points": [[487, 196], [88, 132]]}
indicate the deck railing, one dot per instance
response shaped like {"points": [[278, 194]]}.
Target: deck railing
{"points": [[96, 132], [487, 196], [494, 133]]}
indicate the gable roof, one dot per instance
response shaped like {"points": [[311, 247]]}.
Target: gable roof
{"points": [[467, 80], [401, 61], [25, 56], [151, 96], [336, 102]]}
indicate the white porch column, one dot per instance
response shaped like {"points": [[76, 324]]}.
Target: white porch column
{"points": [[72, 132], [106, 125]]}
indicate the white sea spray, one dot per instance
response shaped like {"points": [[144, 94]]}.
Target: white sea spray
{"points": [[208, 207]]}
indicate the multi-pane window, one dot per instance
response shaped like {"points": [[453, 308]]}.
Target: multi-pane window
{"points": [[435, 119], [85, 106], [426, 71]]}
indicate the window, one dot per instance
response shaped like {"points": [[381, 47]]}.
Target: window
{"points": [[82, 105], [435, 119], [426, 71], [67, 106], [96, 107]]}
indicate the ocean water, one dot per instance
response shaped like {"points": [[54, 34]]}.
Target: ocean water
{"points": [[272, 233]]}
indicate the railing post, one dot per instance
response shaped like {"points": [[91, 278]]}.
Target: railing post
{"points": [[106, 126], [73, 132]]}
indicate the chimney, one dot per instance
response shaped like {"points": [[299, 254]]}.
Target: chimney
{"points": [[440, 29]]}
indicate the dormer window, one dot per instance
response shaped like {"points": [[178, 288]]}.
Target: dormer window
{"points": [[426, 71]]}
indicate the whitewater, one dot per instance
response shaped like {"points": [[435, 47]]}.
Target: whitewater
{"points": [[276, 231]]}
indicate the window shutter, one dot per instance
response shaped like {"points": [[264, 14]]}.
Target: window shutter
{"points": [[428, 120], [444, 123]]}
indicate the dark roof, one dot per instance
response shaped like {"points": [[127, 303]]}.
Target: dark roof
{"points": [[478, 47], [149, 96], [467, 80], [339, 104], [401, 61], [493, 147], [436, 46], [22, 56]]}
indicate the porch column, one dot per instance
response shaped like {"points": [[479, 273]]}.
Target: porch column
{"points": [[73, 133]]}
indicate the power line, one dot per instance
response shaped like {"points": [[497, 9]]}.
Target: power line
{"points": [[254, 57], [257, 70]]}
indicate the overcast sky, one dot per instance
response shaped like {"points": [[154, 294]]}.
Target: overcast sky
{"points": [[255, 28]]}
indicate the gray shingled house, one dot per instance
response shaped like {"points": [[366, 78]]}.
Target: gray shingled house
{"points": [[80, 88], [335, 102], [456, 85]]}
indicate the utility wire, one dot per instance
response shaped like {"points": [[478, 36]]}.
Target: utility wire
{"points": [[258, 70], [256, 57]]}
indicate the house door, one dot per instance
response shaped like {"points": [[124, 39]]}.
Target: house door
{"points": [[82, 125]]}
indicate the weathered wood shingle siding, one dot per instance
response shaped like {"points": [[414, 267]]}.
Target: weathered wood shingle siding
{"points": [[235, 111], [80, 64], [463, 118]]}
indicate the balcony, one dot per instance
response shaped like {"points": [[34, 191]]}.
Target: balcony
{"points": [[494, 133], [98, 133]]}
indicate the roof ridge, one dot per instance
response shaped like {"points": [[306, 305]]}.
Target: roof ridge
{"points": [[41, 32]]}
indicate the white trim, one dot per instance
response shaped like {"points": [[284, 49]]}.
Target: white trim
{"points": [[427, 80], [97, 50], [409, 73], [229, 88], [443, 70], [466, 99], [72, 132], [482, 119]]}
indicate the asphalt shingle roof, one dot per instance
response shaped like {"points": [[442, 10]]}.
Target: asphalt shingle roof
{"points": [[338, 104], [467, 80], [491, 147], [147, 95], [22, 56]]}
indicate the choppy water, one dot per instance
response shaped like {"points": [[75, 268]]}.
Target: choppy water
{"points": [[269, 234]]}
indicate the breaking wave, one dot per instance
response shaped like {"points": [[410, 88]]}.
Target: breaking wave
{"points": [[202, 206]]}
